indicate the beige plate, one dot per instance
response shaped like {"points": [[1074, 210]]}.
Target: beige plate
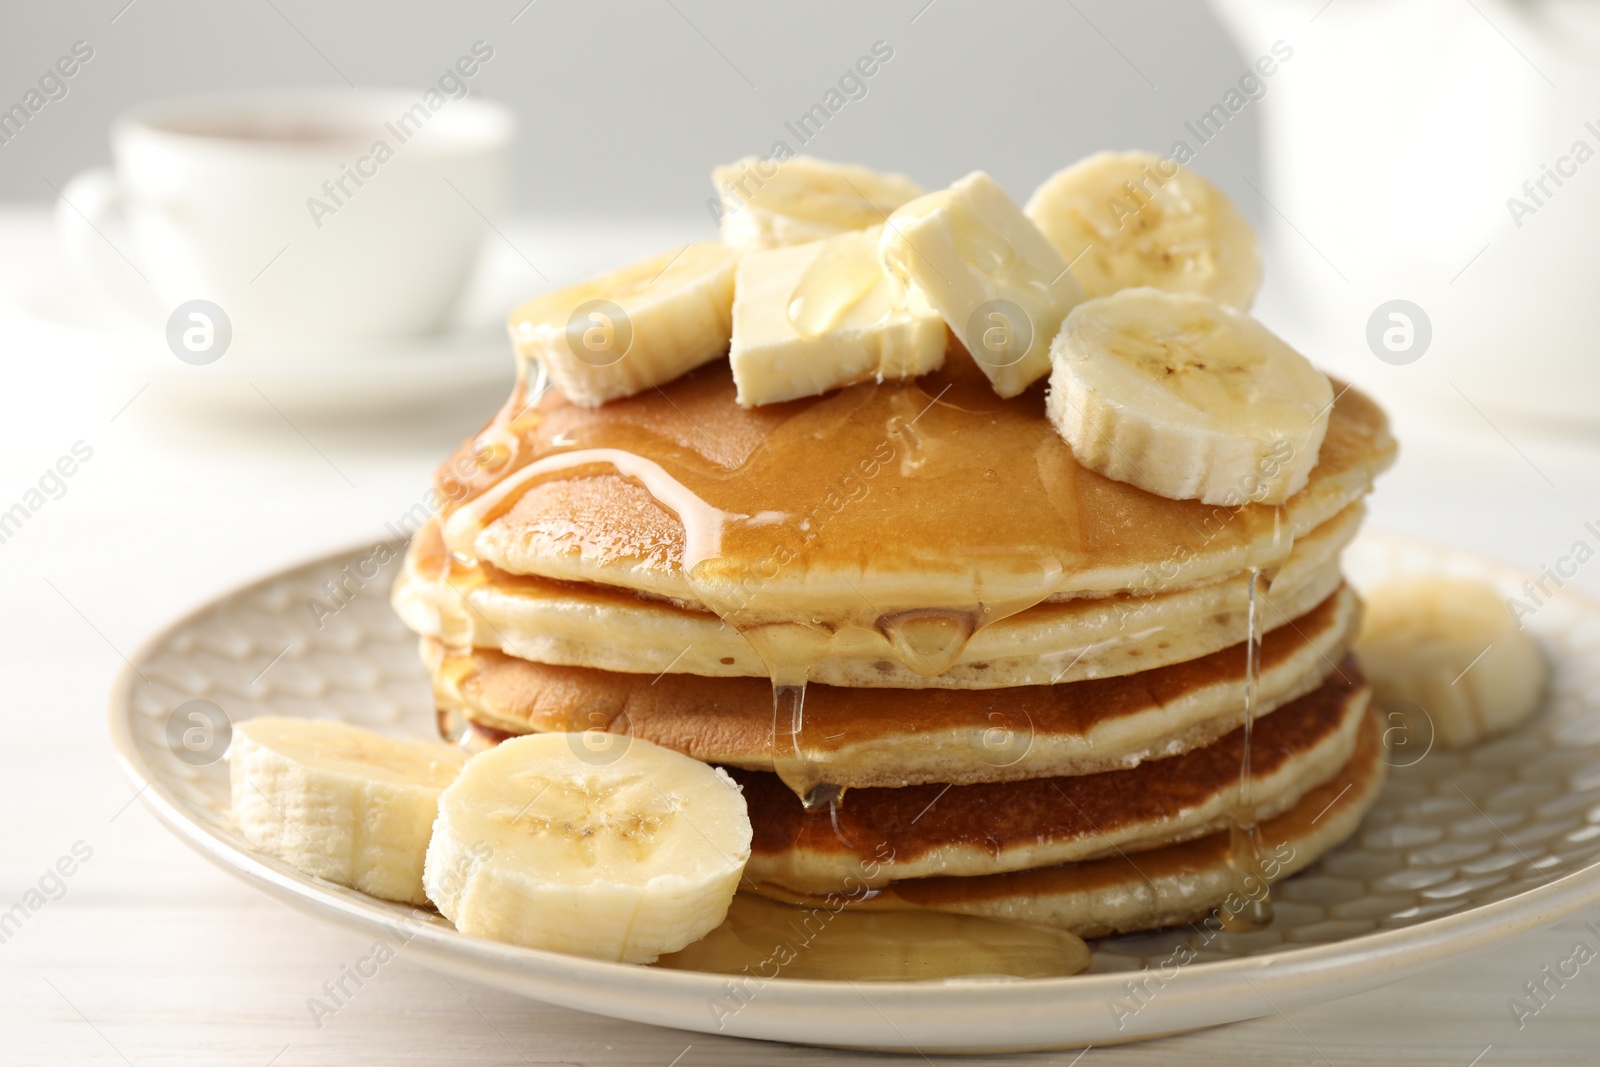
{"points": [[1461, 851]]}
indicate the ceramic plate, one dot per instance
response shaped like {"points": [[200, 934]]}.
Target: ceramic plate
{"points": [[1461, 851]]}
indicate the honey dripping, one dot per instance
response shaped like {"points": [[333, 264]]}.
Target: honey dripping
{"points": [[453, 669], [456, 579], [1255, 911], [790, 759], [495, 450], [930, 642], [796, 765], [840, 942]]}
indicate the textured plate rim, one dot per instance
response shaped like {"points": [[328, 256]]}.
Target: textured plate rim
{"points": [[993, 1016]]}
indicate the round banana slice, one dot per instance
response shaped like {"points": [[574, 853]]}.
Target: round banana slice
{"points": [[1451, 647], [338, 802], [1185, 398], [769, 203], [595, 844], [634, 328], [1126, 219]]}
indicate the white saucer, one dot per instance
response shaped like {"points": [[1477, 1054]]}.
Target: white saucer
{"points": [[471, 361], [469, 366]]}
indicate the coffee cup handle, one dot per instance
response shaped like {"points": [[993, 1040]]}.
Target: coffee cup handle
{"points": [[98, 244]]}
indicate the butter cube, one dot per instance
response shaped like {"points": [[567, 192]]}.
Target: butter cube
{"points": [[814, 317], [989, 271]]}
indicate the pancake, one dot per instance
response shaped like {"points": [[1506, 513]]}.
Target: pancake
{"points": [[897, 737], [1057, 641], [861, 505], [880, 835], [1167, 886]]}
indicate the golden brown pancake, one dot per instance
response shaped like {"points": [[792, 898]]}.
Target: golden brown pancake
{"points": [[1057, 641], [863, 504], [1177, 883], [897, 737], [1008, 826]]}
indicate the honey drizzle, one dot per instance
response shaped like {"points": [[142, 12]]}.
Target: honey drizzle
{"points": [[1255, 910], [451, 721], [835, 940], [790, 761], [497, 448], [702, 523]]}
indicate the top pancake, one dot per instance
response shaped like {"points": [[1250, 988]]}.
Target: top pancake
{"points": [[1063, 640], [870, 501]]}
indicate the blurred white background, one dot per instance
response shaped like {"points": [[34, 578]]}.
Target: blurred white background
{"points": [[625, 108]]}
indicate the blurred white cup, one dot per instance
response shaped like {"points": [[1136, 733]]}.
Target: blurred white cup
{"points": [[319, 214], [1411, 153]]}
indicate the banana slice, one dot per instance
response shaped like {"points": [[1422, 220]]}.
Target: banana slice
{"points": [[638, 327], [1185, 398], [594, 844], [769, 203], [815, 317], [998, 283], [1126, 219], [338, 802], [1452, 647]]}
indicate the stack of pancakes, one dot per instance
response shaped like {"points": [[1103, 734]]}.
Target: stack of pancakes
{"points": [[951, 668]]}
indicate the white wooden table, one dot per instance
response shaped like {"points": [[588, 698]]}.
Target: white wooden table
{"points": [[151, 956]]}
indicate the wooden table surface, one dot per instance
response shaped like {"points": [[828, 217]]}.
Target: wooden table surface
{"points": [[147, 954]]}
